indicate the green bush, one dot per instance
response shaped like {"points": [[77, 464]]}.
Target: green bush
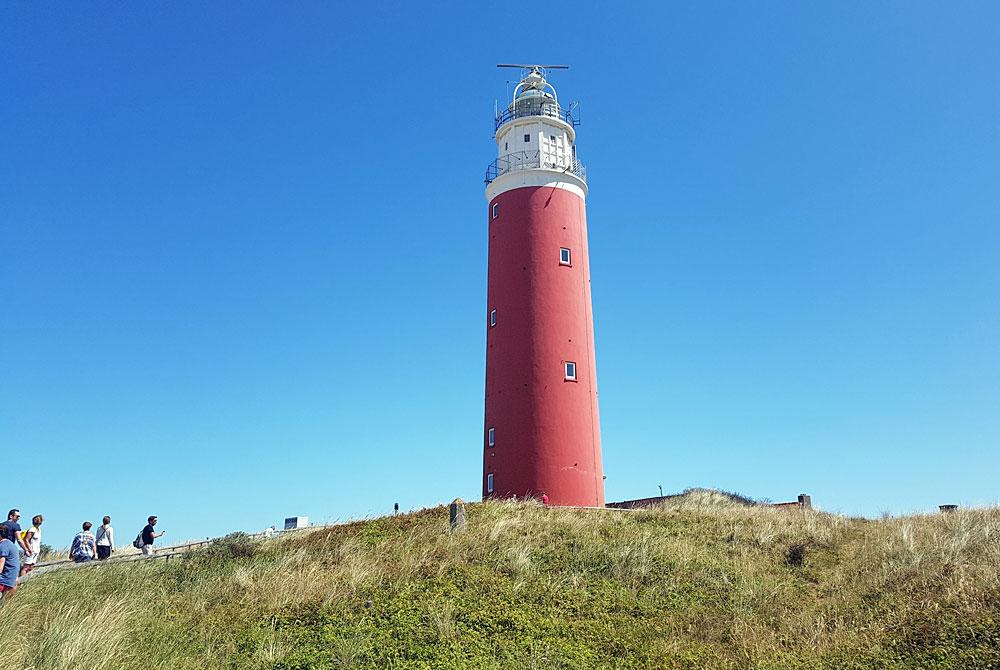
{"points": [[234, 546]]}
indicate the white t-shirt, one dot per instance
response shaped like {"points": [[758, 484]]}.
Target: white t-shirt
{"points": [[35, 545], [105, 536]]}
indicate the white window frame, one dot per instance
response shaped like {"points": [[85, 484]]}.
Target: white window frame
{"points": [[491, 437], [489, 483], [496, 209], [569, 256], [566, 371], [527, 137], [493, 318]]}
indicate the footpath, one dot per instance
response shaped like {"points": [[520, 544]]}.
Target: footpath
{"points": [[161, 553]]}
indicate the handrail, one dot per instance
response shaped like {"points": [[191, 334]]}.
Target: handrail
{"points": [[548, 109], [166, 552], [528, 160]]}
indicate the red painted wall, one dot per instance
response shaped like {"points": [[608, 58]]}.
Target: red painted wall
{"points": [[547, 437]]}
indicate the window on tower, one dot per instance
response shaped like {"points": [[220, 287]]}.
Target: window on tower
{"points": [[493, 318], [570, 370], [491, 437], [505, 146], [489, 483], [496, 209], [564, 256], [527, 138], [552, 138]]}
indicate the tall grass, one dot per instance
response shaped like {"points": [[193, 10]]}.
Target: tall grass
{"points": [[704, 581]]}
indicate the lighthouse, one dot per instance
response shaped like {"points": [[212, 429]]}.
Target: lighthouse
{"points": [[542, 430]]}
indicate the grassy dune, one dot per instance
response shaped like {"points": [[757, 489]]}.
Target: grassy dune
{"points": [[704, 582]]}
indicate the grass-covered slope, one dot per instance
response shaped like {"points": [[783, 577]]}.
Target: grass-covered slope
{"points": [[703, 583]]}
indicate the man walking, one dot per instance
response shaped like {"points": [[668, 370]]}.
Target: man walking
{"points": [[11, 529], [149, 536], [84, 546]]}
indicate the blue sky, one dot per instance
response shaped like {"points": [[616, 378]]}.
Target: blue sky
{"points": [[243, 252]]}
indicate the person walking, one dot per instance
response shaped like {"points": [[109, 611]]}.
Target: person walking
{"points": [[10, 565], [32, 538], [11, 529], [148, 536], [84, 546], [105, 539]]}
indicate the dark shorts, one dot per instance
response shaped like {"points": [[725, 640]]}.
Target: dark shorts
{"points": [[103, 552], [82, 559]]}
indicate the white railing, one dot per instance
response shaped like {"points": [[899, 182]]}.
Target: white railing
{"points": [[529, 160]]}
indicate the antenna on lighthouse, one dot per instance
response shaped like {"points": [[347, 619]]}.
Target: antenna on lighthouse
{"points": [[531, 67], [538, 70]]}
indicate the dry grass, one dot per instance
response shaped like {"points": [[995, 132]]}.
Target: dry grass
{"points": [[704, 581]]}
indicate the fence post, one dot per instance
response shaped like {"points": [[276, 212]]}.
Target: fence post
{"points": [[457, 515]]}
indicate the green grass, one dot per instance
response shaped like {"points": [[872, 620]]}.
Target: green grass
{"points": [[702, 583]]}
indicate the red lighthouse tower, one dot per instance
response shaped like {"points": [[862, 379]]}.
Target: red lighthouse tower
{"points": [[542, 431]]}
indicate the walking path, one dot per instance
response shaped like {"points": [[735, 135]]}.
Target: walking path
{"points": [[165, 553]]}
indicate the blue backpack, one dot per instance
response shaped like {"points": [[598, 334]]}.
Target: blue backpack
{"points": [[80, 548]]}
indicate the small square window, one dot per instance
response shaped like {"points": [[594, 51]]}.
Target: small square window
{"points": [[564, 256], [496, 209], [527, 138], [493, 318], [552, 138], [491, 439], [570, 370], [489, 483]]}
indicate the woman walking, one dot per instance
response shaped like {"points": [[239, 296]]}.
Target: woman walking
{"points": [[105, 539], [32, 538]]}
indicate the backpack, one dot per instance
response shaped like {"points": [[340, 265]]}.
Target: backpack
{"points": [[80, 548], [137, 542]]}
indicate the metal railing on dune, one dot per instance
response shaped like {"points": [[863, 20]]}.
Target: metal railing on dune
{"points": [[166, 552]]}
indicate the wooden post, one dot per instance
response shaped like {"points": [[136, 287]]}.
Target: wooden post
{"points": [[457, 515]]}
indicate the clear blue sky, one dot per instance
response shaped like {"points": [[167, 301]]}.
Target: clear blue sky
{"points": [[243, 252]]}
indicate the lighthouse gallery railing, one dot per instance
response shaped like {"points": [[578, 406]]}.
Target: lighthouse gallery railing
{"points": [[527, 160], [532, 108]]}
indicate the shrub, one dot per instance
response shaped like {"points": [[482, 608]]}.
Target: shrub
{"points": [[233, 546]]}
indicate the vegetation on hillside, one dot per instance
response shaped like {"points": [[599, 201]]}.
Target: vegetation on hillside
{"points": [[705, 582]]}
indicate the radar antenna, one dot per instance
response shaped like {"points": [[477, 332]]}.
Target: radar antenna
{"points": [[532, 67], [529, 69]]}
